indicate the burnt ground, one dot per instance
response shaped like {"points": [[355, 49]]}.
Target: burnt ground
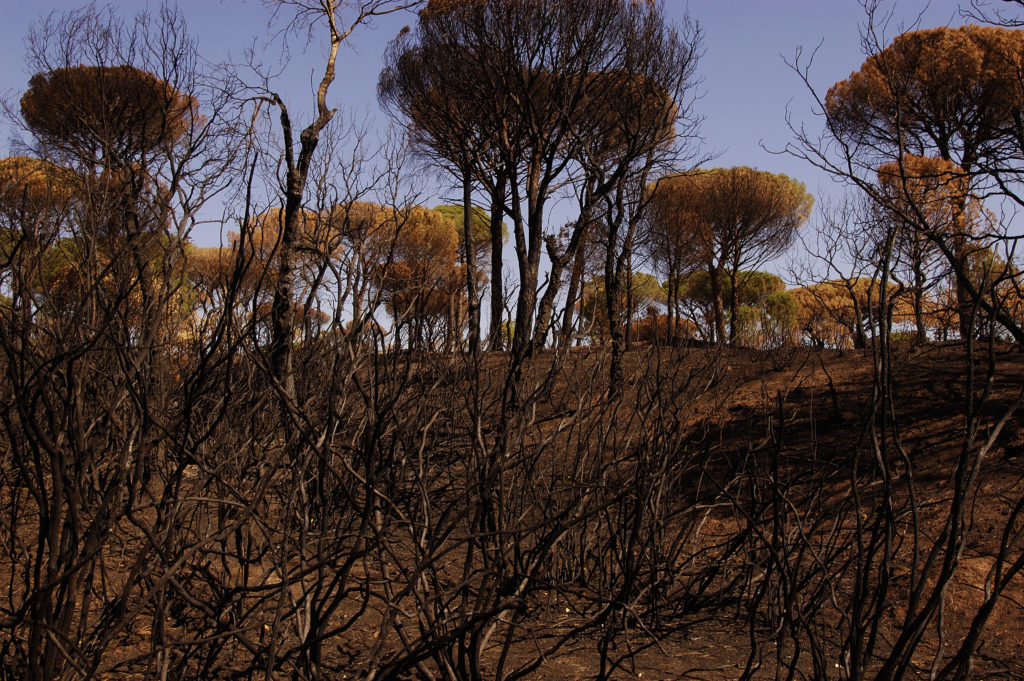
{"points": [[814, 407], [739, 422]]}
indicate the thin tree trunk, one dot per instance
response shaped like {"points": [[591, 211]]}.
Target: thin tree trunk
{"points": [[575, 281], [629, 297], [733, 305], [545, 311], [964, 299], [282, 315], [497, 241], [618, 339], [611, 295], [717, 304], [919, 322], [529, 263], [473, 302]]}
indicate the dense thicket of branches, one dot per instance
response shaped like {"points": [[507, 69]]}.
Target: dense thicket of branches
{"points": [[287, 456]]}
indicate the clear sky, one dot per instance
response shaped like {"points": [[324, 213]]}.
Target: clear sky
{"points": [[746, 84]]}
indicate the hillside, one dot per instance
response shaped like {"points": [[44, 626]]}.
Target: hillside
{"points": [[774, 453], [729, 515]]}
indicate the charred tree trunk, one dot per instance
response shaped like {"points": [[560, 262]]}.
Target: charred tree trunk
{"points": [[473, 300], [733, 304], [629, 297], [282, 316], [529, 260], [717, 303], [618, 338], [919, 322], [545, 311], [495, 334], [572, 295]]}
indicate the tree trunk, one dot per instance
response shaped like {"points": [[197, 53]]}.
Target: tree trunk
{"points": [[860, 339], [629, 298], [618, 339], [469, 248], [545, 311], [717, 304], [529, 254], [922, 328], [964, 299], [495, 334], [611, 295], [575, 281], [733, 305], [282, 315]]}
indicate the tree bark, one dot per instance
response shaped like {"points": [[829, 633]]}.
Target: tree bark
{"points": [[618, 340], [529, 260], [717, 304], [733, 304], [473, 300], [545, 311], [575, 281], [495, 335], [919, 322], [629, 297]]}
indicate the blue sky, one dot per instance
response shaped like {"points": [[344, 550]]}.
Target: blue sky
{"points": [[746, 84]]}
